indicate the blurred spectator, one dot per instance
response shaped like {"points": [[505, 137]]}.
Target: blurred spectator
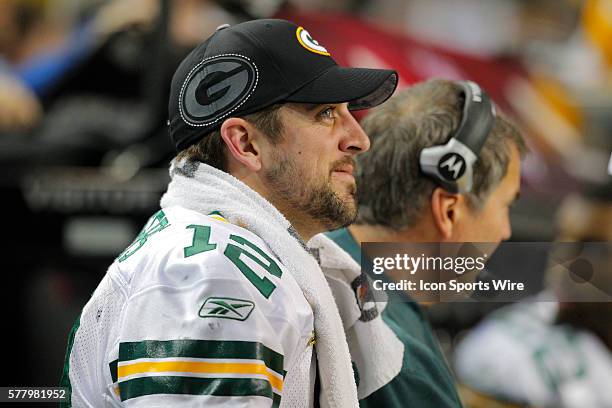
{"points": [[551, 353], [40, 47], [19, 107]]}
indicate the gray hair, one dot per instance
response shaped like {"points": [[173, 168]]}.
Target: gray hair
{"points": [[391, 189]]}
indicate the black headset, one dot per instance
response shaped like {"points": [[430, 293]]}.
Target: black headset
{"points": [[451, 164]]}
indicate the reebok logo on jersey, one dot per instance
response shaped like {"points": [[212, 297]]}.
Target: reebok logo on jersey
{"points": [[226, 308]]}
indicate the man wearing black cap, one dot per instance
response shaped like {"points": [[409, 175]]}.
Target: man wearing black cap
{"points": [[218, 301]]}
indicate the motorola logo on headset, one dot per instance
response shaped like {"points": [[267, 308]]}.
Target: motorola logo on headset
{"points": [[215, 88], [451, 165]]}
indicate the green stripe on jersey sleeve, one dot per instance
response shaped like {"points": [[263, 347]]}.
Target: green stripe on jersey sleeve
{"points": [[229, 387], [113, 370], [202, 349]]}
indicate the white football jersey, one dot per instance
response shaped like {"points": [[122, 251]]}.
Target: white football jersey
{"points": [[520, 355], [195, 312]]}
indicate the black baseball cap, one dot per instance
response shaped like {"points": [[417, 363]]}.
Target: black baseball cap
{"points": [[247, 67]]}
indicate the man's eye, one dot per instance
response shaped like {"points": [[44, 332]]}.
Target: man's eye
{"points": [[328, 113]]}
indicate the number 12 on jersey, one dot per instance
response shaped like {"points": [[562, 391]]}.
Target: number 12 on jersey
{"points": [[236, 254]]}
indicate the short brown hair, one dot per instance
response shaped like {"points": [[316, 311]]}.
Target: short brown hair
{"points": [[392, 191], [211, 148]]}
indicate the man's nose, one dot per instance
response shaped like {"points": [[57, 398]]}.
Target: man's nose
{"points": [[355, 140]]}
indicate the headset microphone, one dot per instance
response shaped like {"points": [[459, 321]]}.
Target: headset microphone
{"points": [[451, 165]]}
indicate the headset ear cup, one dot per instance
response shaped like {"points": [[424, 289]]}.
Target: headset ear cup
{"points": [[451, 165]]}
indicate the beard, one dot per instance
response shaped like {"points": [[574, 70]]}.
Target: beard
{"points": [[316, 199]]}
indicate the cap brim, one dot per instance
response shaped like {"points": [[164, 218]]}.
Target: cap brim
{"points": [[362, 88]]}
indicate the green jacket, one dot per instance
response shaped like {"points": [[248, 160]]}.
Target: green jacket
{"points": [[425, 379]]}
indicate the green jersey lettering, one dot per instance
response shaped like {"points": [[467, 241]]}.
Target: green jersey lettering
{"points": [[201, 241], [156, 223], [234, 252]]}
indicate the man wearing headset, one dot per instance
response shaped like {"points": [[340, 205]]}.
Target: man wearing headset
{"points": [[442, 167]]}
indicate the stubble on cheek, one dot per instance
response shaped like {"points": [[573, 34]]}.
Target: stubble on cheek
{"points": [[320, 200]]}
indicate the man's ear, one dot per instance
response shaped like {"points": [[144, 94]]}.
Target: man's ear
{"points": [[446, 210], [243, 142]]}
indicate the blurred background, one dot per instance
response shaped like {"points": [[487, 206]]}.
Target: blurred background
{"points": [[84, 148]]}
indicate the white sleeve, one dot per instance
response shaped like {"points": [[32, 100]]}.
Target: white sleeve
{"points": [[491, 361], [211, 341]]}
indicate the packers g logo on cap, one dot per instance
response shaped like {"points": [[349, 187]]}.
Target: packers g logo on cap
{"points": [[216, 87], [310, 43]]}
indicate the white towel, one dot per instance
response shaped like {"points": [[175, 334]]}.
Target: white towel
{"points": [[202, 188], [375, 349]]}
